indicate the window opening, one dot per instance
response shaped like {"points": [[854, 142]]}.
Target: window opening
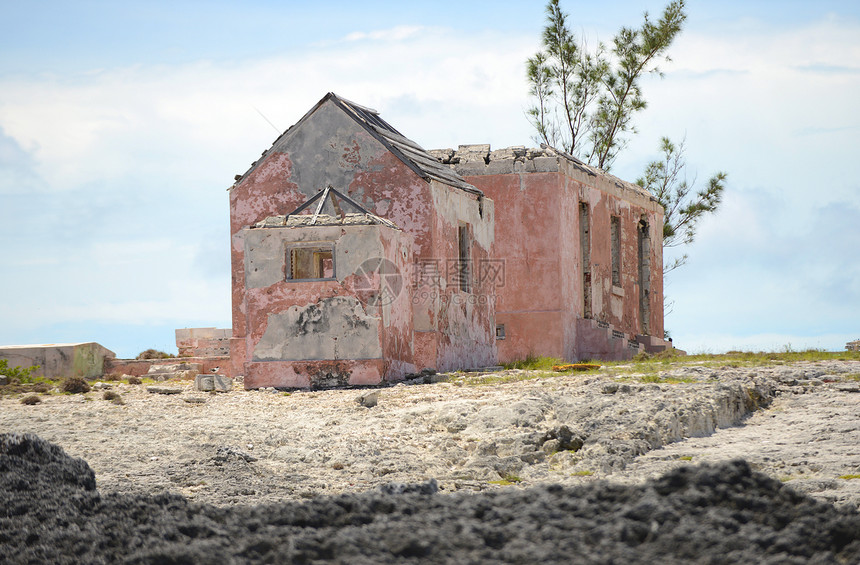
{"points": [[310, 263], [500, 331], [615, 235], [585, 251], [463, 257], [644, 277]]}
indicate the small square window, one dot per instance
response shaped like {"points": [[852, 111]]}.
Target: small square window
{"points": [[310, 263], [500, 331]]}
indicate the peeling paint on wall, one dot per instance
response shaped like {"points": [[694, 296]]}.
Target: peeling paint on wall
{"points": [[314, 330], [333, 328]]}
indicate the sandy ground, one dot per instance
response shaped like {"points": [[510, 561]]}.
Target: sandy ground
{"points": [[799, 423]]}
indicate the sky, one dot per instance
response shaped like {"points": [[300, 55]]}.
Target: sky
{"points": [[122, 124]]}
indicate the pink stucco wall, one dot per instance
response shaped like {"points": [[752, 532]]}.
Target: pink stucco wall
{"points": [[328, 147], [524, 255], [538, 236]]}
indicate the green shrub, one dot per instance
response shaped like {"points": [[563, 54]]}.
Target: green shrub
{"points": [[31, 400], [22, 375], [132, 380]]}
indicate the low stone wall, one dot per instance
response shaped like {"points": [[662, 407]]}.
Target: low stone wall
{"points": [[203, 342], [141, 367]]}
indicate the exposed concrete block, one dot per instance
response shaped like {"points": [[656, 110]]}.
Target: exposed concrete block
{"points": [[176, 367], [471, 168], [545, 164], [222, 383], [203, 333], [470, 153], [517, 151], [501, 167], [204, 383]]}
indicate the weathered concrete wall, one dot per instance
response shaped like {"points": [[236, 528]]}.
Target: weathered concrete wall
{"points": [[352, 329], [203, 342], [140, 367], [463, 319], [332, 328], [59, 359], [529, 303], [538, 235], [328, 147]]}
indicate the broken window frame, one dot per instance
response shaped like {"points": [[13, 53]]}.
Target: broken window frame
{"points": [[320, 247], [500, 331], [615, 249]]}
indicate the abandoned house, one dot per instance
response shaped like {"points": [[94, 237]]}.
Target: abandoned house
{"points": [[359, 257]]}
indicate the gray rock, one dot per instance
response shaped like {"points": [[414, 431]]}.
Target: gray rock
{"points": [[368, 398], [533, 457], [204, 383], [562, 439], [163, 390], [428, 487], [226, 454], [551, 446], [194, 400], [610, 388], [4, 380], [102, 386]]}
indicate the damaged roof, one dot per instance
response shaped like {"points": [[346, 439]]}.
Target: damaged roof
{"points": [[307, 220], [410, 153]]}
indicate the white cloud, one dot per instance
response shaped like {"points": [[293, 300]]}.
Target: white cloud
{"points": [[398, 33]]}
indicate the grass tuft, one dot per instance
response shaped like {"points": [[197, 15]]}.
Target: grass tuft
{"points": [[507, 480], [534, 363], [575, 367]]}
